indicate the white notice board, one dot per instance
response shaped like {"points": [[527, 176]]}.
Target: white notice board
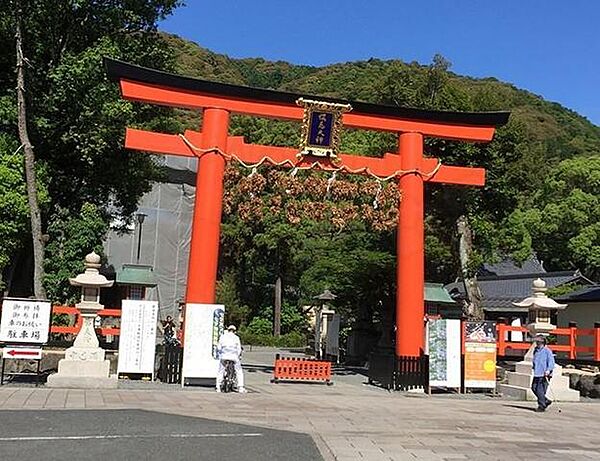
{"points": [[203, 328], [444, 350], [137, 344], [25, 321]]}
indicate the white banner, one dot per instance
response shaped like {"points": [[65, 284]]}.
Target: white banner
{"points": [[137, 344], [25, 321], [443, 341], [203, 328]]}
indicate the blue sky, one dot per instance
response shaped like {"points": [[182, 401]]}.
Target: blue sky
{"points": [[549, 47]]}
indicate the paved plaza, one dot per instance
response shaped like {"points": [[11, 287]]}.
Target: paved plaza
{"points": [[347, 421]]}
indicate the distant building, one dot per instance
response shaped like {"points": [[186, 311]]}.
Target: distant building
{"points": [[503, 283], [583, 309], [438, 302]]}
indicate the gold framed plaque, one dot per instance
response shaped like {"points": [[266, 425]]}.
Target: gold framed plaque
{"points": [[321, 127]]}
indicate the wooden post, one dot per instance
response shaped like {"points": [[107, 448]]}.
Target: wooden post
{"points": [[572, 340], [597, 341], [500, 328]]}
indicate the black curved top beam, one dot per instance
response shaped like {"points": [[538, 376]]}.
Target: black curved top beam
{"points": [[118, 70]]}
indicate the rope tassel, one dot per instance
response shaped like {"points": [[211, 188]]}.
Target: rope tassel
{"points": [[376, 200], [330, 183]]}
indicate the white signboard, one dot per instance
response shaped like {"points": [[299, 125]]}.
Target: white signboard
{"points": [[25, 321], [137, 344], [22, 353], [203, 328], [443, 343]]}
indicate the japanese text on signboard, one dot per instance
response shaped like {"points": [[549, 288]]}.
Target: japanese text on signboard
{"points": [[25, 321], [321, 125]]}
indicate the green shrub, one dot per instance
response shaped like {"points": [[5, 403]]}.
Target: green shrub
{"points": [[260, 326], [292, 339]]}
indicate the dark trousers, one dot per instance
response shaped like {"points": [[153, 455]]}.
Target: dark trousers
{"points": [[539, 386]]}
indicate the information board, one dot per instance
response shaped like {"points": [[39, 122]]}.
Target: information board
{"points": [[137, 344], [443, 344], [203, 328], [480, 355], [25, 321]]}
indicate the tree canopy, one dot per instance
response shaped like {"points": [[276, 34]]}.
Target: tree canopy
{"points": [[75, 116]]}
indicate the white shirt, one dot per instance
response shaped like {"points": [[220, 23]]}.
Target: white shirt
{"points": [[229, 346]]}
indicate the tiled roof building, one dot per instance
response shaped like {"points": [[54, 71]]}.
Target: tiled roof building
{"points": [[503, 283]]}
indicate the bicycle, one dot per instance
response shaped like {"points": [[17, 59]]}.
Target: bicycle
{"points": [[229, 383]]}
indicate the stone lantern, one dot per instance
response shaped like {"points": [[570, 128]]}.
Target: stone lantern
{"points": [[540, 308], [84, 365], [323, 298]]}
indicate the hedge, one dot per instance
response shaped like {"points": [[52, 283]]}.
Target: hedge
{"points": [[288, 340]]}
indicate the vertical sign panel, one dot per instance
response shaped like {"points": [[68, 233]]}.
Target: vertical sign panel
{"points": [[137, 344], [480, 355], [25, 321], [444, 353], [332, 346], [203, 328]]}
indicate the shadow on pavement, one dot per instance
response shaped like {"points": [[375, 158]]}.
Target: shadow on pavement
{"points": [[142, 435], [521, 407]]}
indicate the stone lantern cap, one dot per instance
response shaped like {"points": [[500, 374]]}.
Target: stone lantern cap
{"points": [[326, 296], [540, 300], [91, 277]]}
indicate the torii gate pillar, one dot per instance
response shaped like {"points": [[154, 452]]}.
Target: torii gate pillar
{"points": [[410, 310], [208, 205]]}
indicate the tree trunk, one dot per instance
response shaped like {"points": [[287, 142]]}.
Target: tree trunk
{"points": [[34, 209], [277, 310], [473, 308]]}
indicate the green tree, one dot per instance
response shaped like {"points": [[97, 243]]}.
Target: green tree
{"points": [[72, 237], [14, 209], [564, 220], [75, 116]]}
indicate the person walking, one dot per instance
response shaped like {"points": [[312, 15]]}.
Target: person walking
{"points": [[543, 366], [230, 348]]}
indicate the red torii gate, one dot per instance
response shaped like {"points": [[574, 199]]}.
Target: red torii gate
{"points": [[213, 146]]}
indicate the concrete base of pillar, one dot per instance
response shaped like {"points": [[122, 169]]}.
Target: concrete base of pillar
{"points": [[519, 385], [83, 374], [80, 382]]}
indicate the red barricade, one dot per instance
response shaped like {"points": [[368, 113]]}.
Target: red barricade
{"points": [[300, 369]]}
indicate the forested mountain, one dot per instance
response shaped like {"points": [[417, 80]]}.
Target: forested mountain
{"points": [[309, 229], [541, 195]]}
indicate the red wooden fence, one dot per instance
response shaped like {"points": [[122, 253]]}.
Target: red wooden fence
{"points": [[567, 339], [76, 321]]}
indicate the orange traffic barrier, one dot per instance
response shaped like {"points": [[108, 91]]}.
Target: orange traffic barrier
{"points": [[299, 369]]}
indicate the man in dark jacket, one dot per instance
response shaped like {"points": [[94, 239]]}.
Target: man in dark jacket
{"points": [[543, 365]]}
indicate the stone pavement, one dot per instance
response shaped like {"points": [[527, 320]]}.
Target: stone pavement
{"points": [[352, 421]]}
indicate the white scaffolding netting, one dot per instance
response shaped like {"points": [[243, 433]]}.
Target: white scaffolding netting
{"points": [[166, 233]]}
